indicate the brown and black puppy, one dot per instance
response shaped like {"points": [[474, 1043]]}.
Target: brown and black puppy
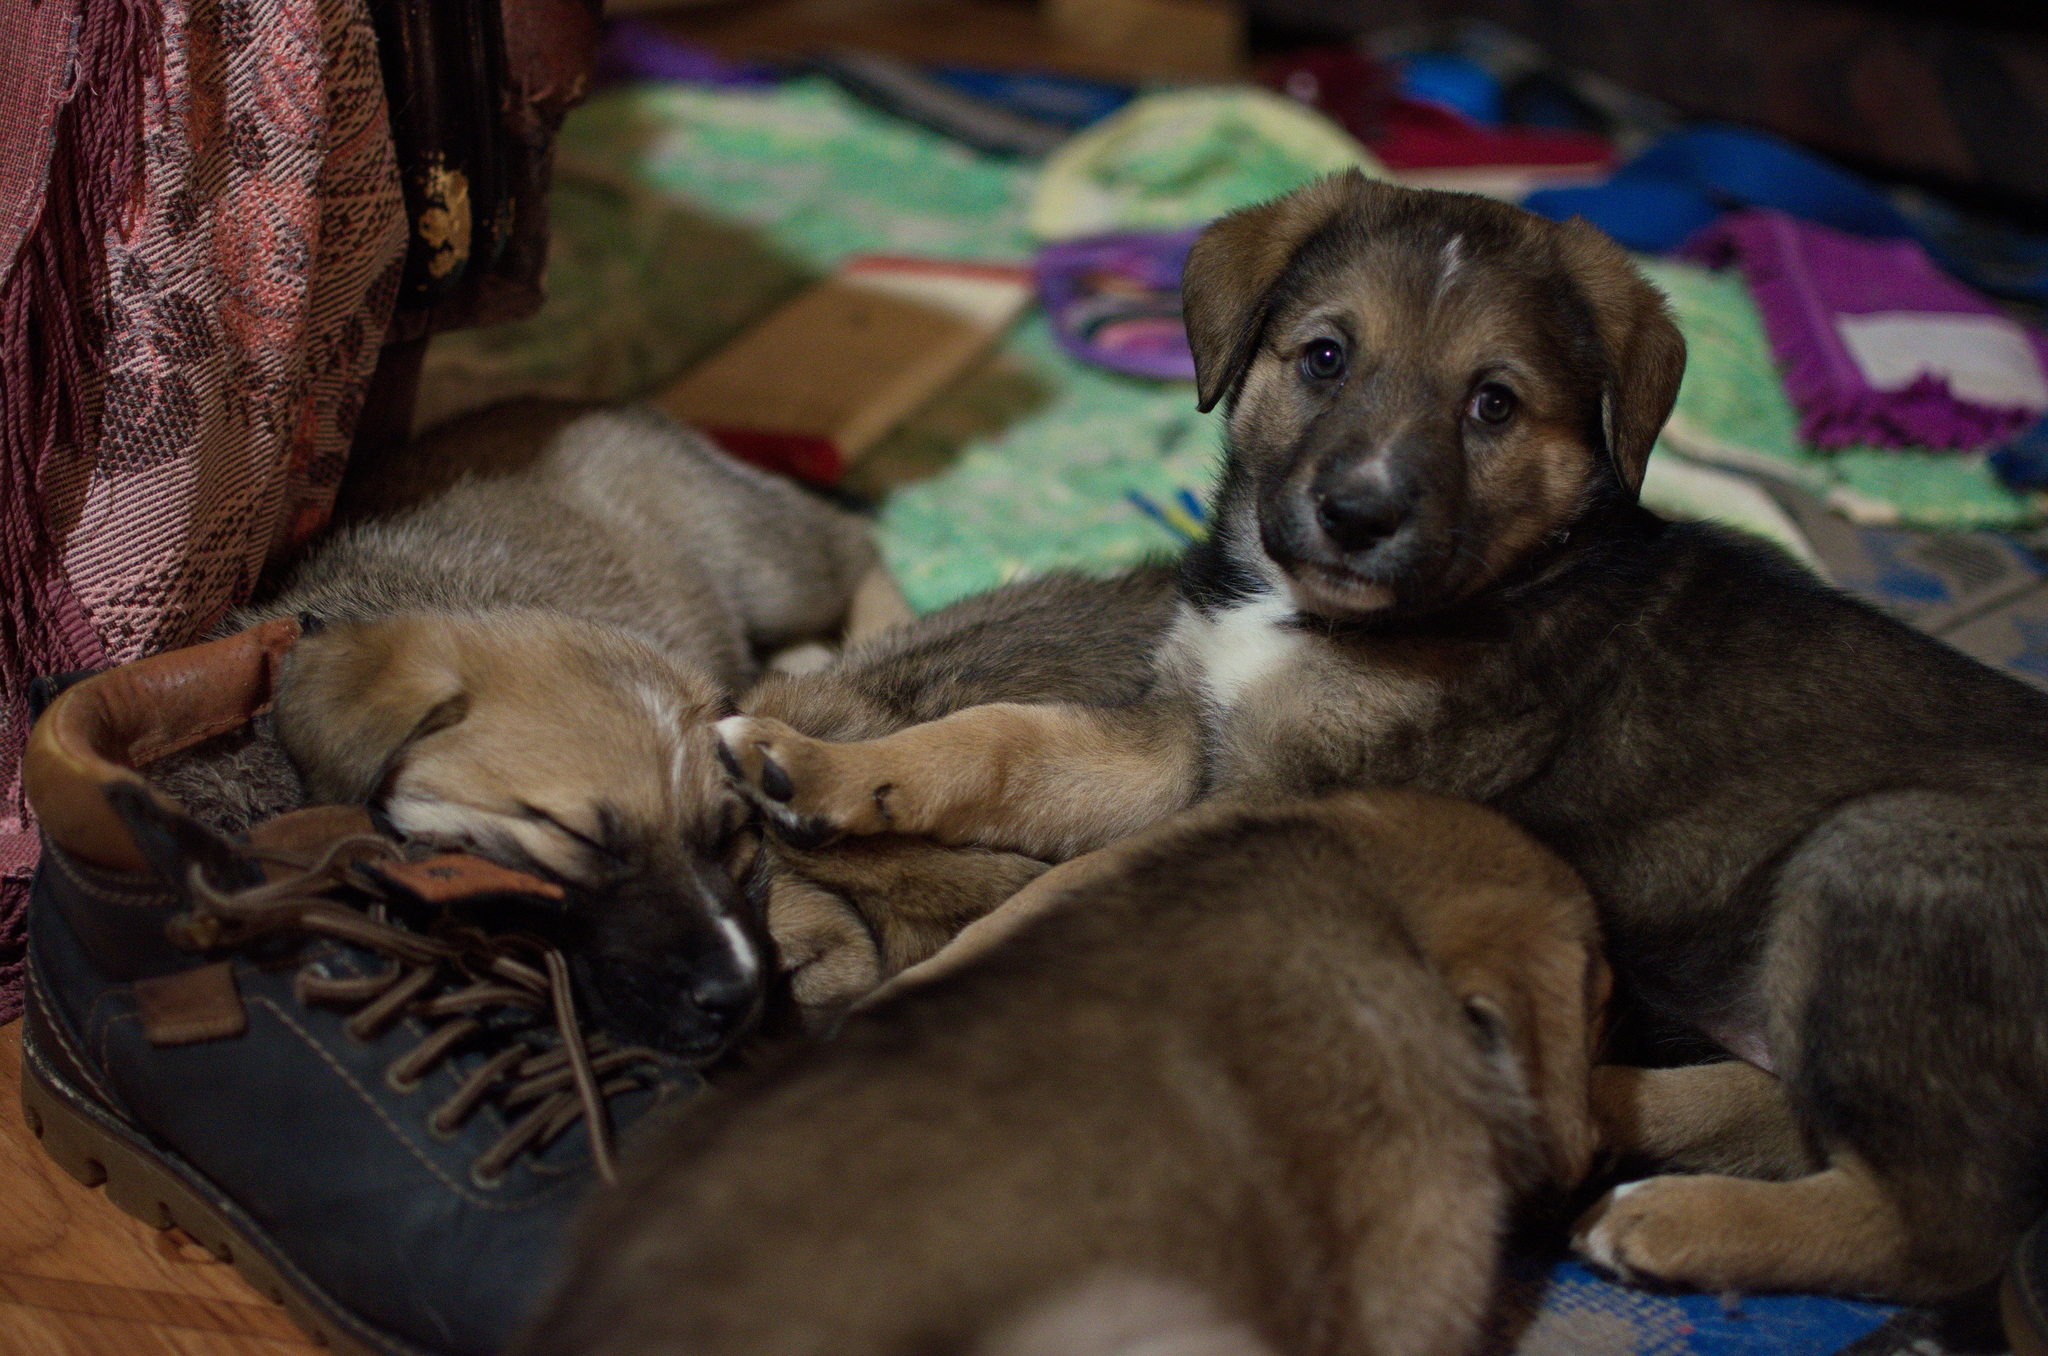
{"points": [[1819, 838], [1261, 1080]]}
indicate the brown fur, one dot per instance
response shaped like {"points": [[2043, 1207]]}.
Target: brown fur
{"points": [[1729, 1117], [1836, 1229], [1067, 1146], [848, 915]]}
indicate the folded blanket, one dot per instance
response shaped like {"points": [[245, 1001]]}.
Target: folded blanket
{"points": [[1733, 411], [1876, 344]]}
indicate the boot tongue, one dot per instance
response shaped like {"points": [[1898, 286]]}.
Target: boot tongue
{"points": [[458, 878]]}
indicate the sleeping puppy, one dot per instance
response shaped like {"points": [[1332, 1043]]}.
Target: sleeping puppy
{"points": [[1259, 1081], [1819, 839], [522, 658]]}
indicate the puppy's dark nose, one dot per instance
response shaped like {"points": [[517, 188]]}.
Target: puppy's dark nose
{"points": [[1358, 519], [725, 997]]}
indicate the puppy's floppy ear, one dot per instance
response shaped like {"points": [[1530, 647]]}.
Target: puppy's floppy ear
{"points": [[1642, 352], [1233, 268], [1569, 984], [352, 698], [1544, 996]]}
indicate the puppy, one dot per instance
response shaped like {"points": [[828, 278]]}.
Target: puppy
{"points": [[1819, 839], [1261, 1080], [522, 657]]}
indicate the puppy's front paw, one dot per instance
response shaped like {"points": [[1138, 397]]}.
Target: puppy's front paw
{"points": [[1661, 1229], [811, 790]]}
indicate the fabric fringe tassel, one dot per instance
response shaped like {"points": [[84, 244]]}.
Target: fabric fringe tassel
{"points": [[49, 356]]}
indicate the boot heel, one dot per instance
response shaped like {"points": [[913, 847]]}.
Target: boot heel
{"points": [[64, 1136]]}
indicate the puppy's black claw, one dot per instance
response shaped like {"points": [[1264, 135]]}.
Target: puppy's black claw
{"points": [[728, 762], [808, 834], [805, 833], [775, 783]]}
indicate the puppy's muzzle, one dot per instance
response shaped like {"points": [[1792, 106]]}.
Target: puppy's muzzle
{"points": [[678, 969], [1358, 515]]}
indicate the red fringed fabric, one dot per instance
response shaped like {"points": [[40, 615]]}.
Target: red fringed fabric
{"points": [[185, 336], [47, 362]]}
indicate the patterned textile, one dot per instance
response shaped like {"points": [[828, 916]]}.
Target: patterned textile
{"points": [[1566, 1310], [248, 288], [32, 69], [1733, 411]]}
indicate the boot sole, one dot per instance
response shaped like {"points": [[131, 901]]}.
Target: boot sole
{"points": [[97, 1150]]}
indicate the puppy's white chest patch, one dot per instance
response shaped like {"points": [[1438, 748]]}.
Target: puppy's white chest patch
{"points": [[1237, 648]]}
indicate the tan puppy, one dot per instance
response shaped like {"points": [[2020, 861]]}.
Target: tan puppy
{"points": [[1268, 1080], [519, 652]]}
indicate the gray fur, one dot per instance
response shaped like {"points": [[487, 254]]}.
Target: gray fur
{"points": [[629, 520], [625, 518]]}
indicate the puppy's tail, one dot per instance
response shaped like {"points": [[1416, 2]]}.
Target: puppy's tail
{"points": [[1124, 1315]]}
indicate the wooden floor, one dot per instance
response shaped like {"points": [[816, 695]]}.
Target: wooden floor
{"points": [[79, 1278]]}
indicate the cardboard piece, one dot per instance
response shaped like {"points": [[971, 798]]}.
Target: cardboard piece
{"points": [[1196, 36], [816, 384]]}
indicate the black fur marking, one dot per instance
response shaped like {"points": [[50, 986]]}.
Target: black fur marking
{"points": [[775, 783]]}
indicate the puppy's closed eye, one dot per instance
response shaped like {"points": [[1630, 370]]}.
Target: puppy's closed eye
{"points": [[1489, 1024], [600, 845]]}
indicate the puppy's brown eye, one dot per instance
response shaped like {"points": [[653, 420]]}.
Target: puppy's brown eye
{"points": [[1492, 403], [1322, 359]]}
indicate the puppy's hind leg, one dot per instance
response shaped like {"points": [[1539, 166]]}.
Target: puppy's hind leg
{"points": [[1048, 781], [1836, 1230], [1729, 1117]]}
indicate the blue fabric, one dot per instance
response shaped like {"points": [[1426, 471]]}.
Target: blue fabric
{"points": [[1644, 213], [1689, 178], [1753, 169], [1580, 1312], [1458, 81], [1056, 99], [2023, 462]]}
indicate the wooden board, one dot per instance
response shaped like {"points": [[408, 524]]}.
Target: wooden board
{"points": [[999, 34], [79, 1278]]}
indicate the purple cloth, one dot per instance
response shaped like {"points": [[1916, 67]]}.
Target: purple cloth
{"points": [[1114, 301], [640, 49], [1843, 314]]}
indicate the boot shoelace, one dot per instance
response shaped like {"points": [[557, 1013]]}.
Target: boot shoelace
{"points": [[557, 1085]]}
